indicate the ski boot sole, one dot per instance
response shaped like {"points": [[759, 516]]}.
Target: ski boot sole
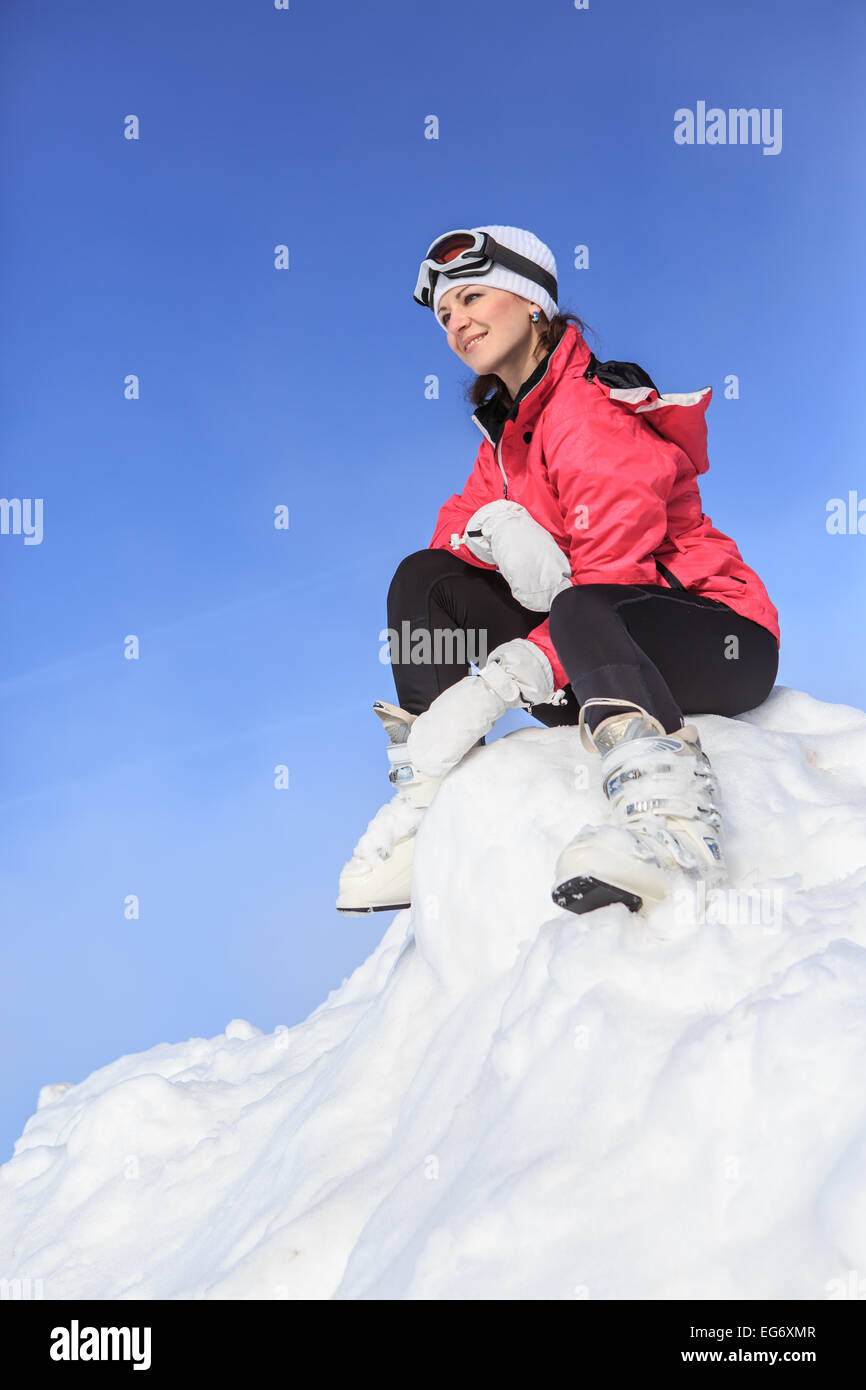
{"points": [[586, 894], [382, 907]]}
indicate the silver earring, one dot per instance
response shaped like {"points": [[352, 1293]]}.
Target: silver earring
{"points": [[535, 316]]}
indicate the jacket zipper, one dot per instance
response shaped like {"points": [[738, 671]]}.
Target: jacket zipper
{"points": [[499, 445], [501, 469]]}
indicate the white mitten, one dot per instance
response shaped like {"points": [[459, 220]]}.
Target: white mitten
{"points": [[521, 674], [516, 673], [530, 561]]}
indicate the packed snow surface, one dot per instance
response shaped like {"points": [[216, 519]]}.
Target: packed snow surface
{"points": [[506, 1100]]}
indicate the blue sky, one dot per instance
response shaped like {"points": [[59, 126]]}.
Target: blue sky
{"points": [[305, 387]]}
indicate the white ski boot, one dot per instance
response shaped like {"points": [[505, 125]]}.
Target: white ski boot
{"points": [[378, 877], [666, 820]]}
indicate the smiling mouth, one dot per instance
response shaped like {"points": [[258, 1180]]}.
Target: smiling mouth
{"points": [[474, 341]]}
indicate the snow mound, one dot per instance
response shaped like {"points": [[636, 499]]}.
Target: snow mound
{"points": [[506, 1100]]}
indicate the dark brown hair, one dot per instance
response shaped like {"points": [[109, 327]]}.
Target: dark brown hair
{"points": [[550, 331]]}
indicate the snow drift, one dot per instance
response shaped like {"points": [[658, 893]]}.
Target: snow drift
{"points": [[505, 1100]]}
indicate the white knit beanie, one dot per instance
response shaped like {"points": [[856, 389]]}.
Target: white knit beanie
{"points": [[525, 244]]}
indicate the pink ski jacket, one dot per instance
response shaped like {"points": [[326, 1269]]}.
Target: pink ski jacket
{"points": [[611, 473]]}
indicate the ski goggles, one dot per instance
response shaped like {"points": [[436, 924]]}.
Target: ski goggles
{"points": [[463, 252]]}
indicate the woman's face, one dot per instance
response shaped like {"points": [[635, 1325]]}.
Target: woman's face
{"points": [[497, 320]]}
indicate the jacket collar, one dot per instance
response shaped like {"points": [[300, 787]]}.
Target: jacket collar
{"points": [[570, 352]]}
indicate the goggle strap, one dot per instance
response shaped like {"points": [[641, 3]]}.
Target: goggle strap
{"points": [[512, 260]]}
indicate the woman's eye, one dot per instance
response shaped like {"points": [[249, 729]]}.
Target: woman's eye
{"points": [[473, 294]]}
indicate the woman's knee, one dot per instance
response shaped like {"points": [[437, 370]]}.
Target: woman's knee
{"points": [[420, 569]]}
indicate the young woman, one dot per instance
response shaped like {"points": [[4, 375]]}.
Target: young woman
{"points": [[594, 590]]}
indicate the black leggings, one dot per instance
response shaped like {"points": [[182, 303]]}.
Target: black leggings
{"points": [[672, 652]]}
